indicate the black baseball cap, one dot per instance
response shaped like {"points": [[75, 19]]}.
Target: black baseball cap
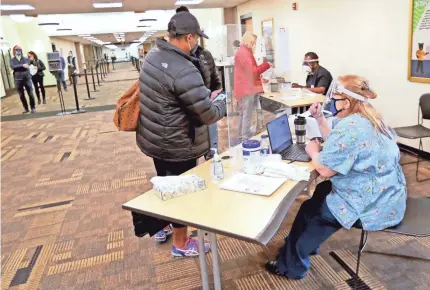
{"points": [[185, 23]]}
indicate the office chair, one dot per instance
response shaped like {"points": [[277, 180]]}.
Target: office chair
{"points": [[415, 223], [418, 131]]}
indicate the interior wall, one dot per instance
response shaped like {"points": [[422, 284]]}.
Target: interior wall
{"points": [[30, 37], [367, 37]]}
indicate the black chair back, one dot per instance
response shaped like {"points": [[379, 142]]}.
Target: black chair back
{"points": [[425, 106]]}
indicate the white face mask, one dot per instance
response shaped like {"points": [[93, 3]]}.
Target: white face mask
{"points": [[306, 69]]}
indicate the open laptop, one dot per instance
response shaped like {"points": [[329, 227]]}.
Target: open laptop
{"points": [[281, 141]]}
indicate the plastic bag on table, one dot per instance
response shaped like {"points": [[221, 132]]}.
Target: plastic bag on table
{"points": [[169, 187]]}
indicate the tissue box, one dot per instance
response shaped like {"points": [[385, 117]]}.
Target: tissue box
{"points": [[174, 186]]}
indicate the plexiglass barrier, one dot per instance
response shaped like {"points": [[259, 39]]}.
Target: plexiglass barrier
{"points": [[246, 77]]}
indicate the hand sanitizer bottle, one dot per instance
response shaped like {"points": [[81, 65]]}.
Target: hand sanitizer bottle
{"points": [[217, 167]]}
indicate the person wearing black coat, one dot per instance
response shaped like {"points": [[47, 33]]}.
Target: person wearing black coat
{"points": [[38, 77], [212, 82]]}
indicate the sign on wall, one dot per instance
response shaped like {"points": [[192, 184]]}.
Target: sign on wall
{"points": [[419, 42]]}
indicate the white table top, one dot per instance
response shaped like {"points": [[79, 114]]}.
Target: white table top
{"points": [[244, 216], [293, 103]]}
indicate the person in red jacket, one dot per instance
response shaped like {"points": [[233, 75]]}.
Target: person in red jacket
{"points": [[247, 83]]}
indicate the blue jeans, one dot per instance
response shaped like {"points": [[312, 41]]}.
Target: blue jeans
{"points": [[313, 225], [20, 85]]}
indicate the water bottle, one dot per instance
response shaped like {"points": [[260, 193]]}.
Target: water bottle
{"points": [[265, 145]]}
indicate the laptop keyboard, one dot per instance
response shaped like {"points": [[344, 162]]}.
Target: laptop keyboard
{"points": [[295, 152]]}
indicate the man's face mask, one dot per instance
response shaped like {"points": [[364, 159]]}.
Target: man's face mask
{"points": [[307, 66], [18, 52], [191, 46], [306, 69]]}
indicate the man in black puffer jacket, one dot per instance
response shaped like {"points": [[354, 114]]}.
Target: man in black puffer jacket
{"points": [[175, 109], [212, 82]]}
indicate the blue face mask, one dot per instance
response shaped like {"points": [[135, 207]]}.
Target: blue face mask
{"points": [[18, 52], [334, 111]]}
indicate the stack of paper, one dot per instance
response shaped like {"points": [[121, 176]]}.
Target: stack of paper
{"points": [[253, 184]]}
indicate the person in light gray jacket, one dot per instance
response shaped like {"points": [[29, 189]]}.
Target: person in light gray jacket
{"points": [[20, 64], [175, 110]]}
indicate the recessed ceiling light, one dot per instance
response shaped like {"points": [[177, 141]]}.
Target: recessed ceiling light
{"points": [[64, 29], [188, 2], [48, 23], [107, 4], [16, 7], [147, 19], [142, 26]]}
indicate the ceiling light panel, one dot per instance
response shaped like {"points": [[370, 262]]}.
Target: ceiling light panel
{"points": [[17, 7], [102, 5]]}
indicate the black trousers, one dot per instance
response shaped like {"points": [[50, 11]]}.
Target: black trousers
{"points": [[38, 84], [420, 66], [20, 85], [165, 168]]}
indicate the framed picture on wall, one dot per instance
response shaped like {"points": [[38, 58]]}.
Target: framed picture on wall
{"points": [[268, 32], [419, 41]]}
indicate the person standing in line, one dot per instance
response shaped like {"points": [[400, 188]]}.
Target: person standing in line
{"points": [[71, 67], [20, 64], [107, 62], [38, 77], [60, 76], [175, 110], [212, 82], [247, 84], [113, 58]]}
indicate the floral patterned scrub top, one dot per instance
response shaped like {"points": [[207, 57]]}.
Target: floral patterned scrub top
{"points": [[369, 184]]}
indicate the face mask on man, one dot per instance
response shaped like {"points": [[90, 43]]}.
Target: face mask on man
{"points": [[192, 48], [193, 51], [18, 52], [306, 69]]}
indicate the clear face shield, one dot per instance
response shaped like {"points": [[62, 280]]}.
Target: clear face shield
{"points": [[306, 65], [337, 89]]}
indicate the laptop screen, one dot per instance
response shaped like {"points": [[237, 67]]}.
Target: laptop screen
{"points": [[279, 134]]}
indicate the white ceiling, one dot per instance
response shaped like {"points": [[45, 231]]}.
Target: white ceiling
{"points": [[104, 25], [86, 6]]}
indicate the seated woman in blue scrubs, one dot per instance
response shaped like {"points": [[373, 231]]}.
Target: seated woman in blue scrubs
{"points": [[366, 186]]}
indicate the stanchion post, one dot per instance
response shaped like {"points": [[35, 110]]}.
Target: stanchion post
{"points": [[75, 91], [94, 82], [86, 82], [104, 68], [101, 70], [97, 73]]}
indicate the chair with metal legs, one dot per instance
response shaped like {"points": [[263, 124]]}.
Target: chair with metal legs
{"points": [[415, 223], [418, 131]]}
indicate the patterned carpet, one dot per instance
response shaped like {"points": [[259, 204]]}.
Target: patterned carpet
{"points": [[64, 180]]}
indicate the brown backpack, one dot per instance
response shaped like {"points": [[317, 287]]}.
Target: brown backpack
{"points": [[127, 109]]}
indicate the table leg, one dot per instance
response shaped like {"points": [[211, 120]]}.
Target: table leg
{"points": [[202, 258], [215, 262]]}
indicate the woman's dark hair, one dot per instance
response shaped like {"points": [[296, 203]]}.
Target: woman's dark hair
{"points": [[33, 54]]}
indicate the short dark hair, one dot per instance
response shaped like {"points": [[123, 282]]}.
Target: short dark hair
{"points": [[33, 54], [182, 9], [312, 55]]}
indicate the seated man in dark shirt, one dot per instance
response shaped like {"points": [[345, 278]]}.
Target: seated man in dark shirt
{"points": [[319, 79]]}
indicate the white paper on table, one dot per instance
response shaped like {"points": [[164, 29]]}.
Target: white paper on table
{"points": [[252, 184]]}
